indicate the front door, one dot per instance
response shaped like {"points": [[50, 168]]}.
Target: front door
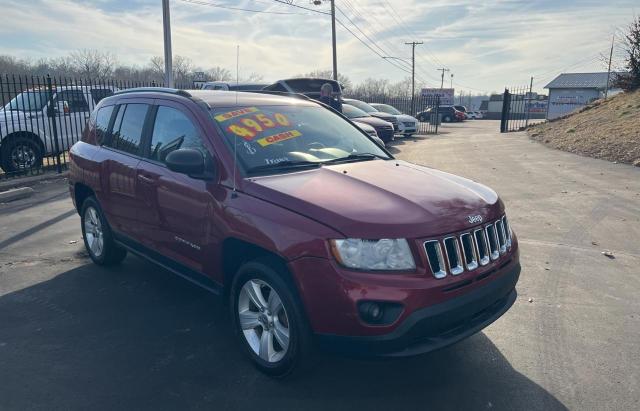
{"points": [[180, 210]]}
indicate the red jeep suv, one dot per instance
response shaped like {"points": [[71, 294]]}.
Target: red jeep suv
{"points": [[317, 236]]}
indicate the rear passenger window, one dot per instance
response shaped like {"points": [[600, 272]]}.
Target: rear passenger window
{"points": [[75, 99], [127, 130], [173, 130], [102, 123]]}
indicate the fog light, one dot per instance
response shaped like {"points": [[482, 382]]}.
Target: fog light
{"points": [[371, 312]]}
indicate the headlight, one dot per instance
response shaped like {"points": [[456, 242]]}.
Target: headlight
{"points": [[372, 132], [385, 254]]}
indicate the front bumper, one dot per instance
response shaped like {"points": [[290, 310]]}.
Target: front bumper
{"points": [[436, 326]]}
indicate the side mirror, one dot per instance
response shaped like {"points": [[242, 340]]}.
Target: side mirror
{"points": [[61, 108], [186, 161]]}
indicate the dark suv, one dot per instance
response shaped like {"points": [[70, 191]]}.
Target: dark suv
{"points": [[314, 234], [449, 114]]}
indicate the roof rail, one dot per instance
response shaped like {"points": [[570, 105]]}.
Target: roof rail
{"points": [[167, 90], [280, 93]]}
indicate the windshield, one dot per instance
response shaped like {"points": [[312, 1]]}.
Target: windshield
{"points": [[28, 101], [350, 111], [275, 137], [361, 105], [387, 109]]}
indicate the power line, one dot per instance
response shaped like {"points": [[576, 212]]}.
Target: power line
{"points": [[224, 6]]}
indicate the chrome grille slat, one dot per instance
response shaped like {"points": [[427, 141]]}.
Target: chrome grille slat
{"points": [[470, 250], [492, 241], [481, 246], [452, 249], [502, 240], [434, 257]]}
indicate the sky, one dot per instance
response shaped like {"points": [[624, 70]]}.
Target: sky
{"points": [[486, 45]]}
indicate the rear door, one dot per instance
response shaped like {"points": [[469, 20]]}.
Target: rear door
{"points": [[180, 210], [119, 167]]}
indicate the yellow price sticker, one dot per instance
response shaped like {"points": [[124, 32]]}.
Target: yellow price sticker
{"points": [[276, 138], [235, 113]]}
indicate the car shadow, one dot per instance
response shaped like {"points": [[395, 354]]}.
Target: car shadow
{"points": [[137, 337]]}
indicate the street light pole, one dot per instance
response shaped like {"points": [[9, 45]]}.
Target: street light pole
{"points": [[451, 80], [168, 62]]}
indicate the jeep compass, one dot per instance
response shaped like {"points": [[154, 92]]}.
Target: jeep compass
{"points": [[316, 236]]}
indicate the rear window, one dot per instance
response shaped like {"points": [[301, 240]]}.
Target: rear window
{"points": [[269, 135], [127, 130], [311, 85]]}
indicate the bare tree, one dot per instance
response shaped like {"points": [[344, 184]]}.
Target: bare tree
{"points": [[254, 77], [218, 73], [631, 81], [372, 87], [93, 63], [328, 74]]}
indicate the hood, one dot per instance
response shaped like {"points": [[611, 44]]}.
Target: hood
{"points": [[380, 199], [372, 121], [406, 118], [384, 116], [364, 126]]}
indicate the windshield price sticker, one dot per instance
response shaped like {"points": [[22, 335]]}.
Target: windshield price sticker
{"points": [[253, 125], [276, 138], [235, 113]]}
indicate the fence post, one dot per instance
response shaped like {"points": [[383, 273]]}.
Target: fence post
{"points": [[51, 112], [506, 105], [437, 113]]}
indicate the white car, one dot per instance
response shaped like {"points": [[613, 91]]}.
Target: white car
{"points": [[370, 131], [474, 115], [28, 122], [407, 124]]}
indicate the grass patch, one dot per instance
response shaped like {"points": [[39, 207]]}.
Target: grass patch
{"points": [[571, 130]]}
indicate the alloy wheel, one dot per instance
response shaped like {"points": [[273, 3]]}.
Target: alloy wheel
{"points": [[94, 235], [23, 157], [263, 320]]}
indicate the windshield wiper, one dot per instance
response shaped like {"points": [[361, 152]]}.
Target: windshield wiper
{"points": [[356, 157], [285, 165]]}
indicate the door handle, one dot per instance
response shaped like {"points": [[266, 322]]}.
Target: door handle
{"points": [[145, 179]]}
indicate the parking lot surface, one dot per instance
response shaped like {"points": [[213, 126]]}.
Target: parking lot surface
{"points": [[77, 336]]}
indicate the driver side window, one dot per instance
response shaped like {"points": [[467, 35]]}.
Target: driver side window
{"points": [[173, 130]]}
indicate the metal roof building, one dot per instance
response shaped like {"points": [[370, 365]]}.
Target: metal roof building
{"points": [[571, 91]]}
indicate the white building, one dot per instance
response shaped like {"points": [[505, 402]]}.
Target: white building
{"points": [[571, 91]]}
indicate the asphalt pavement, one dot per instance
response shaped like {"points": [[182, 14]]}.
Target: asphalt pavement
{"points": [[77, 336]]}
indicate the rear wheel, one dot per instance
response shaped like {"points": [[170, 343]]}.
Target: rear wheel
{"points": [[98, 239], [20, 154], [269, 321], [446, 119]]}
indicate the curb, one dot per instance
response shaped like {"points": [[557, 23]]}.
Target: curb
{"points": [[31, 180], [16, 194]]}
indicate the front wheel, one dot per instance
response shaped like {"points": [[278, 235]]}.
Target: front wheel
{"points": [[20, 154], [446, 119], [269, 321]]}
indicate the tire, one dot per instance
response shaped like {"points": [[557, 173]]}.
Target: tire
{"points": [[98, 238], [408, 135], [20, 153], [446, 119], [268, 352]]}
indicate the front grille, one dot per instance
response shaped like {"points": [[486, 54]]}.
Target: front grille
{"points": [[469, 250], [409, 124], [385, 133]]}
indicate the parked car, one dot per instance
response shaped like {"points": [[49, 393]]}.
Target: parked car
{"points": [[448, 114], [407, 125], [384, 129], [460, 108], [367, 108], [313, 234], [310, 87], [27, 123], [233, 86], [474, 115], [371, 132]]}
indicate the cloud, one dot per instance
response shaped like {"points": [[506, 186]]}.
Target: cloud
{"points": [[486, 44]]}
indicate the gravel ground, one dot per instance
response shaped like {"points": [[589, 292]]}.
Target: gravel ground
{"points": [[608, 130]]}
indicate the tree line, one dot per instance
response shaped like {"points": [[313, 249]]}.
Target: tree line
{"points": [[100, 65]]}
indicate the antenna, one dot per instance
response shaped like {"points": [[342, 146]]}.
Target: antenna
{"points": [[234, 194]]}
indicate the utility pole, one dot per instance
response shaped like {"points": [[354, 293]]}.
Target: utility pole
{"points": [[528, 102], [451, 80], [168, 62], [333, 39], [442, 82], [413, 45], [606, 91]]}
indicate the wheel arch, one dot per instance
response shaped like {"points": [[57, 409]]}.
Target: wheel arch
{"points": [[80, 193], [27, 134]]}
